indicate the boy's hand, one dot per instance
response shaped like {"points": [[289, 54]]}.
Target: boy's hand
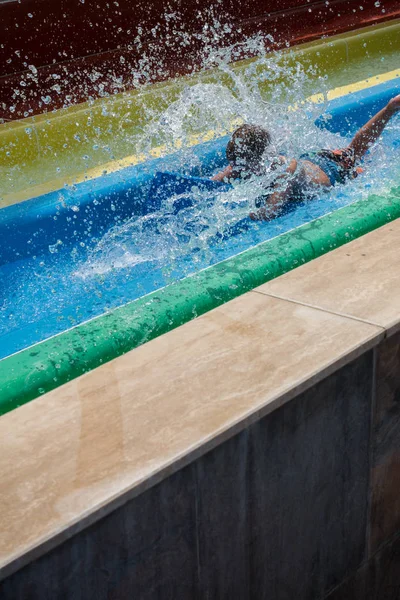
{"points": [[394, 103]]}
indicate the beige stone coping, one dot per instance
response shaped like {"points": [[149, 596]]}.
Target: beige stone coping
{"points": [[73, 455], [360, 280]]}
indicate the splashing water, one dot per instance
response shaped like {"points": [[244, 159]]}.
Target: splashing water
{"points": [[212, 109]]}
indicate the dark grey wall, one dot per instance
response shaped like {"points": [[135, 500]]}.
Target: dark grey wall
{"points": [[377, 579], [385, 475], [280, 511]]}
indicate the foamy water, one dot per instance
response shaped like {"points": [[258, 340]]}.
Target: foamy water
{"points": [[215, 107]]}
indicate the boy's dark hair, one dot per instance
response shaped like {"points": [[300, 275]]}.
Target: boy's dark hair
{"points": [[247, 145]]}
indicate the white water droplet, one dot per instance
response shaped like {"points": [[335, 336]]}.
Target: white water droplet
{"points": [[54, 248]]}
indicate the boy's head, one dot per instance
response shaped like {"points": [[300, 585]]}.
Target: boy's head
{"points": [[247, 146]]}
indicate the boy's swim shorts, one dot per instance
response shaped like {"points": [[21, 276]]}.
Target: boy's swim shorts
{"points": [[338, 165]]}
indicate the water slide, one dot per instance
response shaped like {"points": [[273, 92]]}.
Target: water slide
{"points": [[112, 231]]}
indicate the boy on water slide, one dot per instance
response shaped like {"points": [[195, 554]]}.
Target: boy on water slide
{"points": [[247, 154]]}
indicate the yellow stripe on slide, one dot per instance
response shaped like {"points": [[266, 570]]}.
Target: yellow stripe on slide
{"points": [[110, 167], [356, 87]]}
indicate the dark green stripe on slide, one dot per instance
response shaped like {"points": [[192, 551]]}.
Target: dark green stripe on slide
{"points": [[49, 364]]}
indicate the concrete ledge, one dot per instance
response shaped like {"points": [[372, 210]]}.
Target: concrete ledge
{"points": [[280, 509], [159, 407]]}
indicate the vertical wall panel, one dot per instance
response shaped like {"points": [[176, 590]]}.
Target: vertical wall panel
{"points": [[223, 527], [385, 510], [309, 484]]}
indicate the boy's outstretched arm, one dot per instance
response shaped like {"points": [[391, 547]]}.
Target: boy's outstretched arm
{"points": [[225, 174], [369, 133]]}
